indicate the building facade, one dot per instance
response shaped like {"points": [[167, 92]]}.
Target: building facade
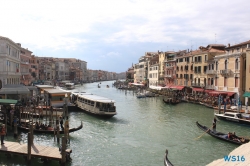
{"points": [[9, 62]]}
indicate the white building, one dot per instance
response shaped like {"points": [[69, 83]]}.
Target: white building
{"points": [[9, 61]]}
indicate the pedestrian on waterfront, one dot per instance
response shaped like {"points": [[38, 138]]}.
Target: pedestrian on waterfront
{"points": [[2, 133], [61, 122]]}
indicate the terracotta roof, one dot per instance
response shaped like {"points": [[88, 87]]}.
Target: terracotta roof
{"points": [[240, 44], [215, 50]]}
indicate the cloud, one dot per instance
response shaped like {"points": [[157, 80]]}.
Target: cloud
{"points": [[116, 27]]}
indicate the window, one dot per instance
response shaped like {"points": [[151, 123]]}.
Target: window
{"points": [[204, 69], [225, 81], [191, 76], [216, 79], [199, 69], [195, 69], [205, 58], [236, 82], [236, 64]]}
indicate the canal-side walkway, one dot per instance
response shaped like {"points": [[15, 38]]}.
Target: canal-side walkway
{"points": [[239, 156]]}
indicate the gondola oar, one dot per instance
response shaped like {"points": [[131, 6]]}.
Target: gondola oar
{"points": [[203, 133]]}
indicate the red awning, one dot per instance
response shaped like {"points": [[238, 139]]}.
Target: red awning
{"points": [[217, 93], [180, 87], [177, 87], [230, 93], [198, 89], [209, 90]]}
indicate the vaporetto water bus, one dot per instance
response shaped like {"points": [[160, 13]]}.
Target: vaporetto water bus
{"points": [[96, 105]]}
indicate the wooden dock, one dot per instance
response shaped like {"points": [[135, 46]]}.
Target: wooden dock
{"points": [[36, 150], [29, 151]]}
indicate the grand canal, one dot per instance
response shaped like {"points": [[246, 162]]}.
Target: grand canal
{"points": [[139, 134]]}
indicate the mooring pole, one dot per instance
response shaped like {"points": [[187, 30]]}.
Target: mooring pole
{"points": [[29, 147], [15, 127], [63, 152]]}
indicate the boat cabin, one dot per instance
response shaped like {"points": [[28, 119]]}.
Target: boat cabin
{"points": [[69, 86], [95, 103], [232, 114], [41, 88], [56, 97]]}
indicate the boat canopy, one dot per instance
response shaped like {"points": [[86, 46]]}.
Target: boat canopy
{"points": [[96, 98]]}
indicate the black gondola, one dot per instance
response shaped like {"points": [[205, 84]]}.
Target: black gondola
{"points": [[26, 129], [166, 161], [171, 101], [223, 136]]}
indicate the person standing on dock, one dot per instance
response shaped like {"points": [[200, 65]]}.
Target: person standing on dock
{"points": [[2, 133]]}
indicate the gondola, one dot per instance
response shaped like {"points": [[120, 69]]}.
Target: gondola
{"points": [[223, 136], [166, 161], [171, 101], [23, 128]]}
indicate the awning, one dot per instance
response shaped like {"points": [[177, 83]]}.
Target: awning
{"points": [[177, 87], [198, 89], [8, 101], [230, 93], [208, 90], [216, 93], [246, 94]]}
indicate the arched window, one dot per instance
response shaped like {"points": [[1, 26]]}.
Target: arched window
{"points": [[212, 81], [205, 81], [236, 64], [225, 64], [216, 65], [199, 80]]}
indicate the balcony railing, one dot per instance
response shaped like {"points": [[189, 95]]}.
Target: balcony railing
{"points": [[210, 72], [226, 72], [210, 87], [169, 75], [198, 84]]}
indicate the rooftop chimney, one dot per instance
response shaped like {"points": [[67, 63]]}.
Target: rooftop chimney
{"points": [[228, 45]]}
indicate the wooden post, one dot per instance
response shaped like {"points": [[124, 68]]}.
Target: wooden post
{"points": [[46, 111], [29, 147], [11, 119], [58, 133], [64, 109], [15, 127], [66, 129], [63, 152], [31, 132], [6, 121], [50, 116]]}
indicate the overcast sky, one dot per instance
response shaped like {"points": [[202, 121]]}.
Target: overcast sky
{"points": [[112, 34]]}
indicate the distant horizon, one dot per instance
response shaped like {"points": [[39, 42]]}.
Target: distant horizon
{"points": [[111, 35]]}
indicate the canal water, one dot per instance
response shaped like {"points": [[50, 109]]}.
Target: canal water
{"points": [[139, 134]]}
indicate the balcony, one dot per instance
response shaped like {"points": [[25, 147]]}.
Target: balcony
{"points": [[210, 87], [212, 72], [169, 67], [198, 84], [226, 72], [197, 61], [169, 76]]}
